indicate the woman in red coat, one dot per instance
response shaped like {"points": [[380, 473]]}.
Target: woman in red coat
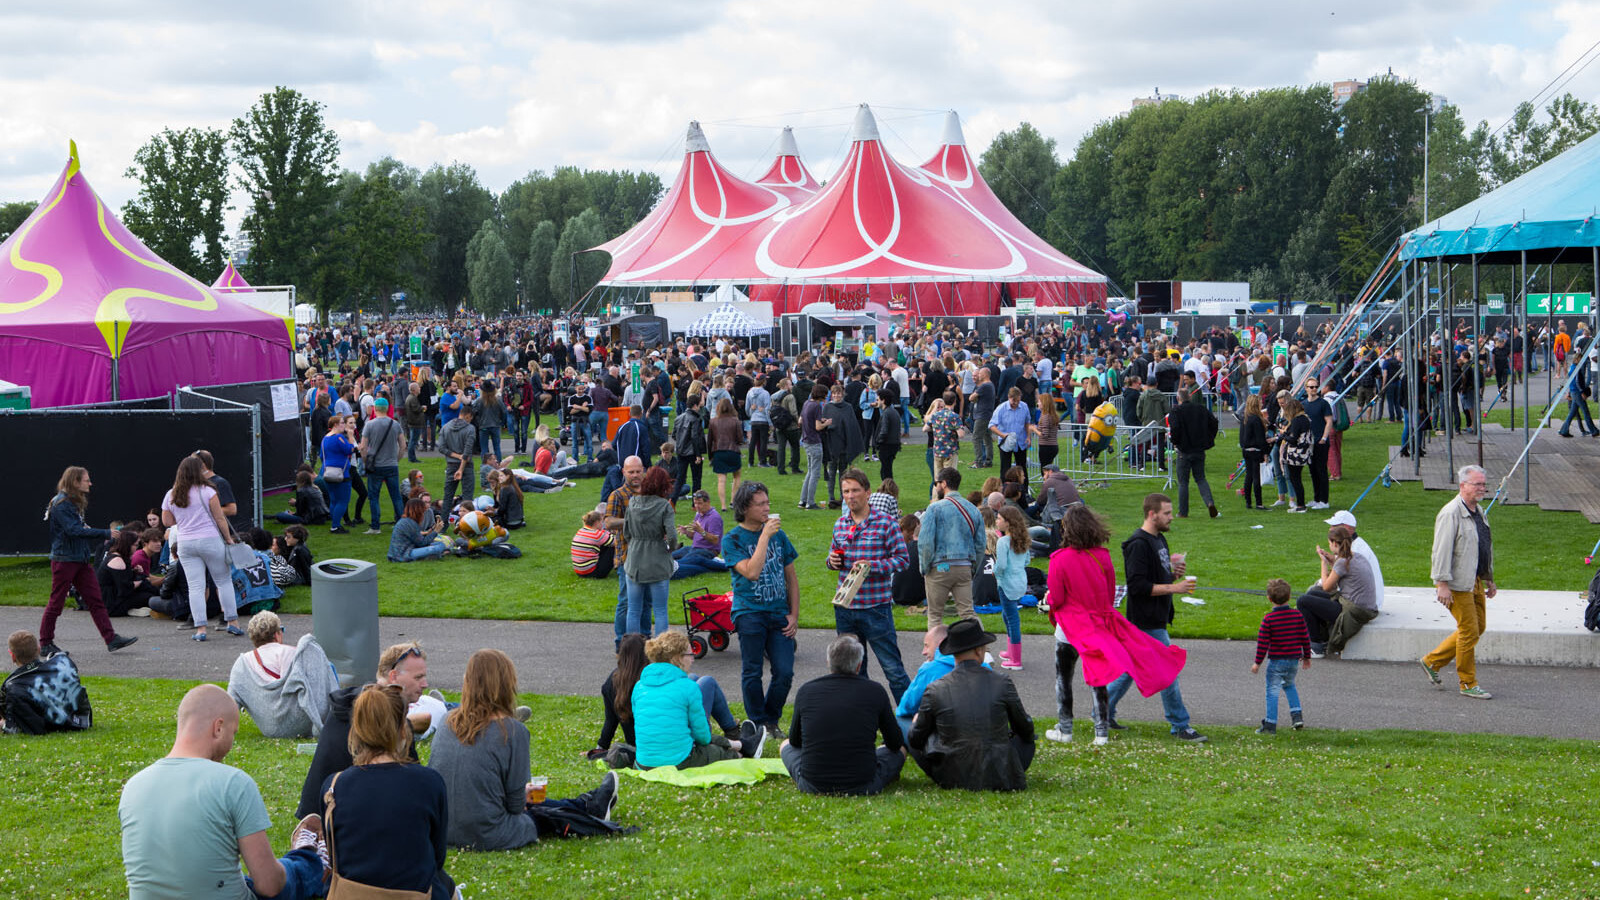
{"points": [[1081, 594]]}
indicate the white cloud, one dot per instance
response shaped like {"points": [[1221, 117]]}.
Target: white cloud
{"points": [[510, 86]]}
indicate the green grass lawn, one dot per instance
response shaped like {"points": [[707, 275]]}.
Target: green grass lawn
{"points": [[1535, 549], [1308, 814]]}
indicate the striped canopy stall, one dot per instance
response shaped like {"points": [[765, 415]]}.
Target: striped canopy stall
{"points": [[726, 321]]}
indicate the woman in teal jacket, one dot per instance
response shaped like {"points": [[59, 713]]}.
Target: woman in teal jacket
{"points": [[669, 712]]}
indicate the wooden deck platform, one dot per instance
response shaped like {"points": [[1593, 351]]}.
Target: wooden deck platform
{"points": [[1563, 473]]}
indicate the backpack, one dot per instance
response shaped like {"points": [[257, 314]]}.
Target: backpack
{"points": [[782, 418], [1591, 613], [1341, 416]]}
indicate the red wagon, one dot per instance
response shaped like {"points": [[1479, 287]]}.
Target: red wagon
{"points": [[708, 614]]}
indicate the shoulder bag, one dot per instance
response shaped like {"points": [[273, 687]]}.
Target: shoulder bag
{"points": [[344, 888]]}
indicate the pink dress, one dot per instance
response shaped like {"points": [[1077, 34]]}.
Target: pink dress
{"points": [[1081, 587]]}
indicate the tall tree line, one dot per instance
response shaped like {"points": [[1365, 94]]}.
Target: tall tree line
{"points": [[1276, 187], [352, 240]]}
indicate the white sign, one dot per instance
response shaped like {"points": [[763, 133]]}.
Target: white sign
{"points": [[284, 407], [1025, 306]]}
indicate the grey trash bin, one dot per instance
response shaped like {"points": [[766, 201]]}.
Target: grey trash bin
{"points": [[344, 616]]}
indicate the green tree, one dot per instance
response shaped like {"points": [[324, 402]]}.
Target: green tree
{"points": [[491, 279], [536, 270], [582, 232], [1456, 165], [183, 193], [456, 205], [1020, 167], [1528, 141], [289, 158], [12, 215], [389, 232], [620, 198], [1081, 197]]}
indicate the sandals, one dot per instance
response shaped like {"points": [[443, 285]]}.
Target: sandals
{"points": [[236, 631], [199, 636]]}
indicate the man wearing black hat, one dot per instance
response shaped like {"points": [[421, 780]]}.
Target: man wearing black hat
{"points": [[971, 730]]}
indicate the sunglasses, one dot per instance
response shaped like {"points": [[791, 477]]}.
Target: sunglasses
{"points": [[413, 650]]}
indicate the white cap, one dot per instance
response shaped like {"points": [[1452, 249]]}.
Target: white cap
{"points": [[1342, 517]]}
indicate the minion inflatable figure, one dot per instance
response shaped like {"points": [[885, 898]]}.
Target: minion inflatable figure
{"points": [[1102, 429]]}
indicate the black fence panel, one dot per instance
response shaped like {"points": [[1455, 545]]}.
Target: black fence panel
{"points": [[282, 439], [131, 456]]}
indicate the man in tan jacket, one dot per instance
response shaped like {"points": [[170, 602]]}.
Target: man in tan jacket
{"points": [[1463, 572]]}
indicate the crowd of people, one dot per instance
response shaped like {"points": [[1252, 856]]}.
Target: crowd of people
{"points": [[958, 716]]}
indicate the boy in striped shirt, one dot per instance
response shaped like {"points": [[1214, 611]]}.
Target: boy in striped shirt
{"points": [[1282, 642]]}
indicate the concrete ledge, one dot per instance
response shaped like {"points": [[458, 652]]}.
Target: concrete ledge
{"points": [[1525, 628]]}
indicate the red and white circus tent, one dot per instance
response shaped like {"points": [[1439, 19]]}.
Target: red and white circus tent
{"points": [[880, 235]]}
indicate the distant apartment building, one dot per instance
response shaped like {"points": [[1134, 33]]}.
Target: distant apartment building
{"points": [[1155, 99], [1344, 90]]}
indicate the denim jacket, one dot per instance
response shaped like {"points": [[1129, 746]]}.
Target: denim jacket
{"points": [[70, 539], [946, 536]]}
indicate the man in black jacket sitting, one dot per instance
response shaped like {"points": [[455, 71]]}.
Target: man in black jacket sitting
{"points": [[971, 730], [833, 737]]}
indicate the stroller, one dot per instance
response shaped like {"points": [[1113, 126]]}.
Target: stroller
{"points": [[708, 614]]}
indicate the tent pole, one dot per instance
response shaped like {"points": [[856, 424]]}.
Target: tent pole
{"points": [[1527, 353], [1477, 360], [1447, 382], [1410, 363], [116, 374]]}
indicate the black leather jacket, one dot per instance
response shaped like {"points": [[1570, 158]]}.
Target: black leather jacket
{"points": [[962, 736]]}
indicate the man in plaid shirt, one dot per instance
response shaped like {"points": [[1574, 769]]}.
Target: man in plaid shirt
{"points": [[863, 534]]}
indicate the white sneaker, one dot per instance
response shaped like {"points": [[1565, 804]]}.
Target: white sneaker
{"points": [[1100, 740], [1059, 736]]}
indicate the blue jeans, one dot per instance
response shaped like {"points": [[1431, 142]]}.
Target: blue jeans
{"points": [[379, 477], [593, 437], [304, 876], [874, 625], [693, 561], [640, 595], [519, 431], [1171, 698], [761, 638], [432, 551], [622, 603], [715, 702], [1280, 673], [338, 501], [413, 441], [489, 439], [905, 417], [1011, 614], [1577, 408]]}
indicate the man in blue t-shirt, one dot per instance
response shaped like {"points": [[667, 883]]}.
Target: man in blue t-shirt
{"points": [[766, 603]]}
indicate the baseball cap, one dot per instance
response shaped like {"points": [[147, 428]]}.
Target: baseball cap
{"points": [[1342, 517]]}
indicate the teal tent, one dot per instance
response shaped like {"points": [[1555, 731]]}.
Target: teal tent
{"points": [[1550, 209]]}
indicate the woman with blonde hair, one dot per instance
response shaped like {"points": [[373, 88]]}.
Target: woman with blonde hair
{"points": [[407, 853], [72, 547], [482, 752], [671, 707]]}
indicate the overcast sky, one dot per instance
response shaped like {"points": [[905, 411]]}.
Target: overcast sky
{"points": [[510, 86]]}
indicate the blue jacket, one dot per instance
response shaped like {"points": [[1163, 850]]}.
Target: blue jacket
{"points": [[669, 718], [70, 539], [946, 534], [934, 669]]}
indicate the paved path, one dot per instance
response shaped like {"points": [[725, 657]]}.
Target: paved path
{"points": [[573, 658]]}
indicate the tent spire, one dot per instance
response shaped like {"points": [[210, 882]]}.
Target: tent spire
{"points": [[865, 127], [786, 144], [695, 140], [952, 131], [72, 151]]}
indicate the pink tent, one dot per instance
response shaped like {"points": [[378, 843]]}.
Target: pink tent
{"points": [[230, 281], [88, 313], [706, 209], [880, 235], [788, 174]]}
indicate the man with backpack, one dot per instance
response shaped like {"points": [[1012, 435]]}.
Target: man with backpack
{"points": [[785, 415]]}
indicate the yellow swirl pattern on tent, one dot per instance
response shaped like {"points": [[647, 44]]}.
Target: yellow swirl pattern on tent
{"points": [[114, 306], [50, 274]]}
